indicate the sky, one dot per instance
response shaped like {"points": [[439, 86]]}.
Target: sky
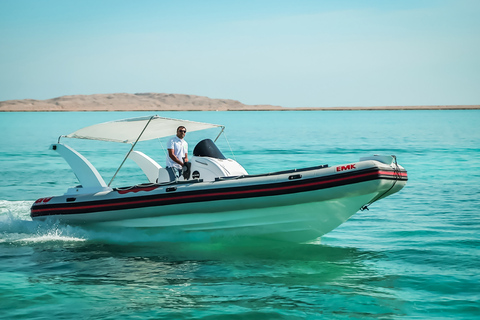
{"points": [[330, 53]]}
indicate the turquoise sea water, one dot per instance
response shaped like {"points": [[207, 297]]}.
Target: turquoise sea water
{"points": [[414, 255]]}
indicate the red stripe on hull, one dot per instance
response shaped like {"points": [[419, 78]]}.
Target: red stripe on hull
{"points": [[262, 189]]}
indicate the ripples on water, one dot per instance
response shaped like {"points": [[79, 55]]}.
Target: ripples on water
{"points": [[91, 274], [414, 255]]}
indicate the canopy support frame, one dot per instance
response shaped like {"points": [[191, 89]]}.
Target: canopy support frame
{"points": [[130, 151], [221, 131]]}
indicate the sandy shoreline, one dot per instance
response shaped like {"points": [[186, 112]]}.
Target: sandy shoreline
{"points": [[172, 102]]}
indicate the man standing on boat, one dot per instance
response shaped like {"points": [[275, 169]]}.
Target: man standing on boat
{"points": [[177, 156]]}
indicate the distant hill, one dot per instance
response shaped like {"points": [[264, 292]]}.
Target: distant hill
{"points": [[130, 102], [171, 102]]}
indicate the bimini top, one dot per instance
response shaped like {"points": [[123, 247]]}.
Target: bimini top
{"points": [[138, 129]]}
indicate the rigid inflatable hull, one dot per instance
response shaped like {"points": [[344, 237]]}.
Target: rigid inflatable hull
{"points": [[296, 205]]}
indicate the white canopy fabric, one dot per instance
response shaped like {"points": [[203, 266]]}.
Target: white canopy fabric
{"points": [[128, 130]]}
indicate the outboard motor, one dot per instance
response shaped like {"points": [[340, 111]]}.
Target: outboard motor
{"points": [[207, 148], [209, 163]]}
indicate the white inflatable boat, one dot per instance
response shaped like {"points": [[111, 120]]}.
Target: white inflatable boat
{"points": [[216, 194]]}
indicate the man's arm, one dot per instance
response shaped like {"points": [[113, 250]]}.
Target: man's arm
{"points": [[174, 157]]}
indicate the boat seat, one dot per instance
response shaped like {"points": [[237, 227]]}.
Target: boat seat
{"points": [[149, 166], [163, 176]]}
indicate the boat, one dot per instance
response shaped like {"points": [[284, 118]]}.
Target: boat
{"points": [[215, 194]]}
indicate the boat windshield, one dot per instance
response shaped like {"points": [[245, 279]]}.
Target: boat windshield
{"points": [[207, 148]]}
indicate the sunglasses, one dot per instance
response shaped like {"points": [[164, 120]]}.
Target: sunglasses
{"points": [[184, 131]]}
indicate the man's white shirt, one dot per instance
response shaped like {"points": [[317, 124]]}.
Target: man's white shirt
{"points": [[180, 149]]}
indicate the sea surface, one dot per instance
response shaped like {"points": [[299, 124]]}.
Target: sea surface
{"points": [[413, 255]]}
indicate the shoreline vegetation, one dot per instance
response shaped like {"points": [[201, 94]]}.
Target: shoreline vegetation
{"points": [[173, 102]]}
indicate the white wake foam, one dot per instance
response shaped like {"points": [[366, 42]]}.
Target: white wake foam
{"points": [[16, 226]]}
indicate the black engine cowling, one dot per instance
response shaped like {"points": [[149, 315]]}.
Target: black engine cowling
{"points": [[207, 148]]}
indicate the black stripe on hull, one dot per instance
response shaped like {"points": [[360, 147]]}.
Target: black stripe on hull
{"points": [[241, 192]]}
